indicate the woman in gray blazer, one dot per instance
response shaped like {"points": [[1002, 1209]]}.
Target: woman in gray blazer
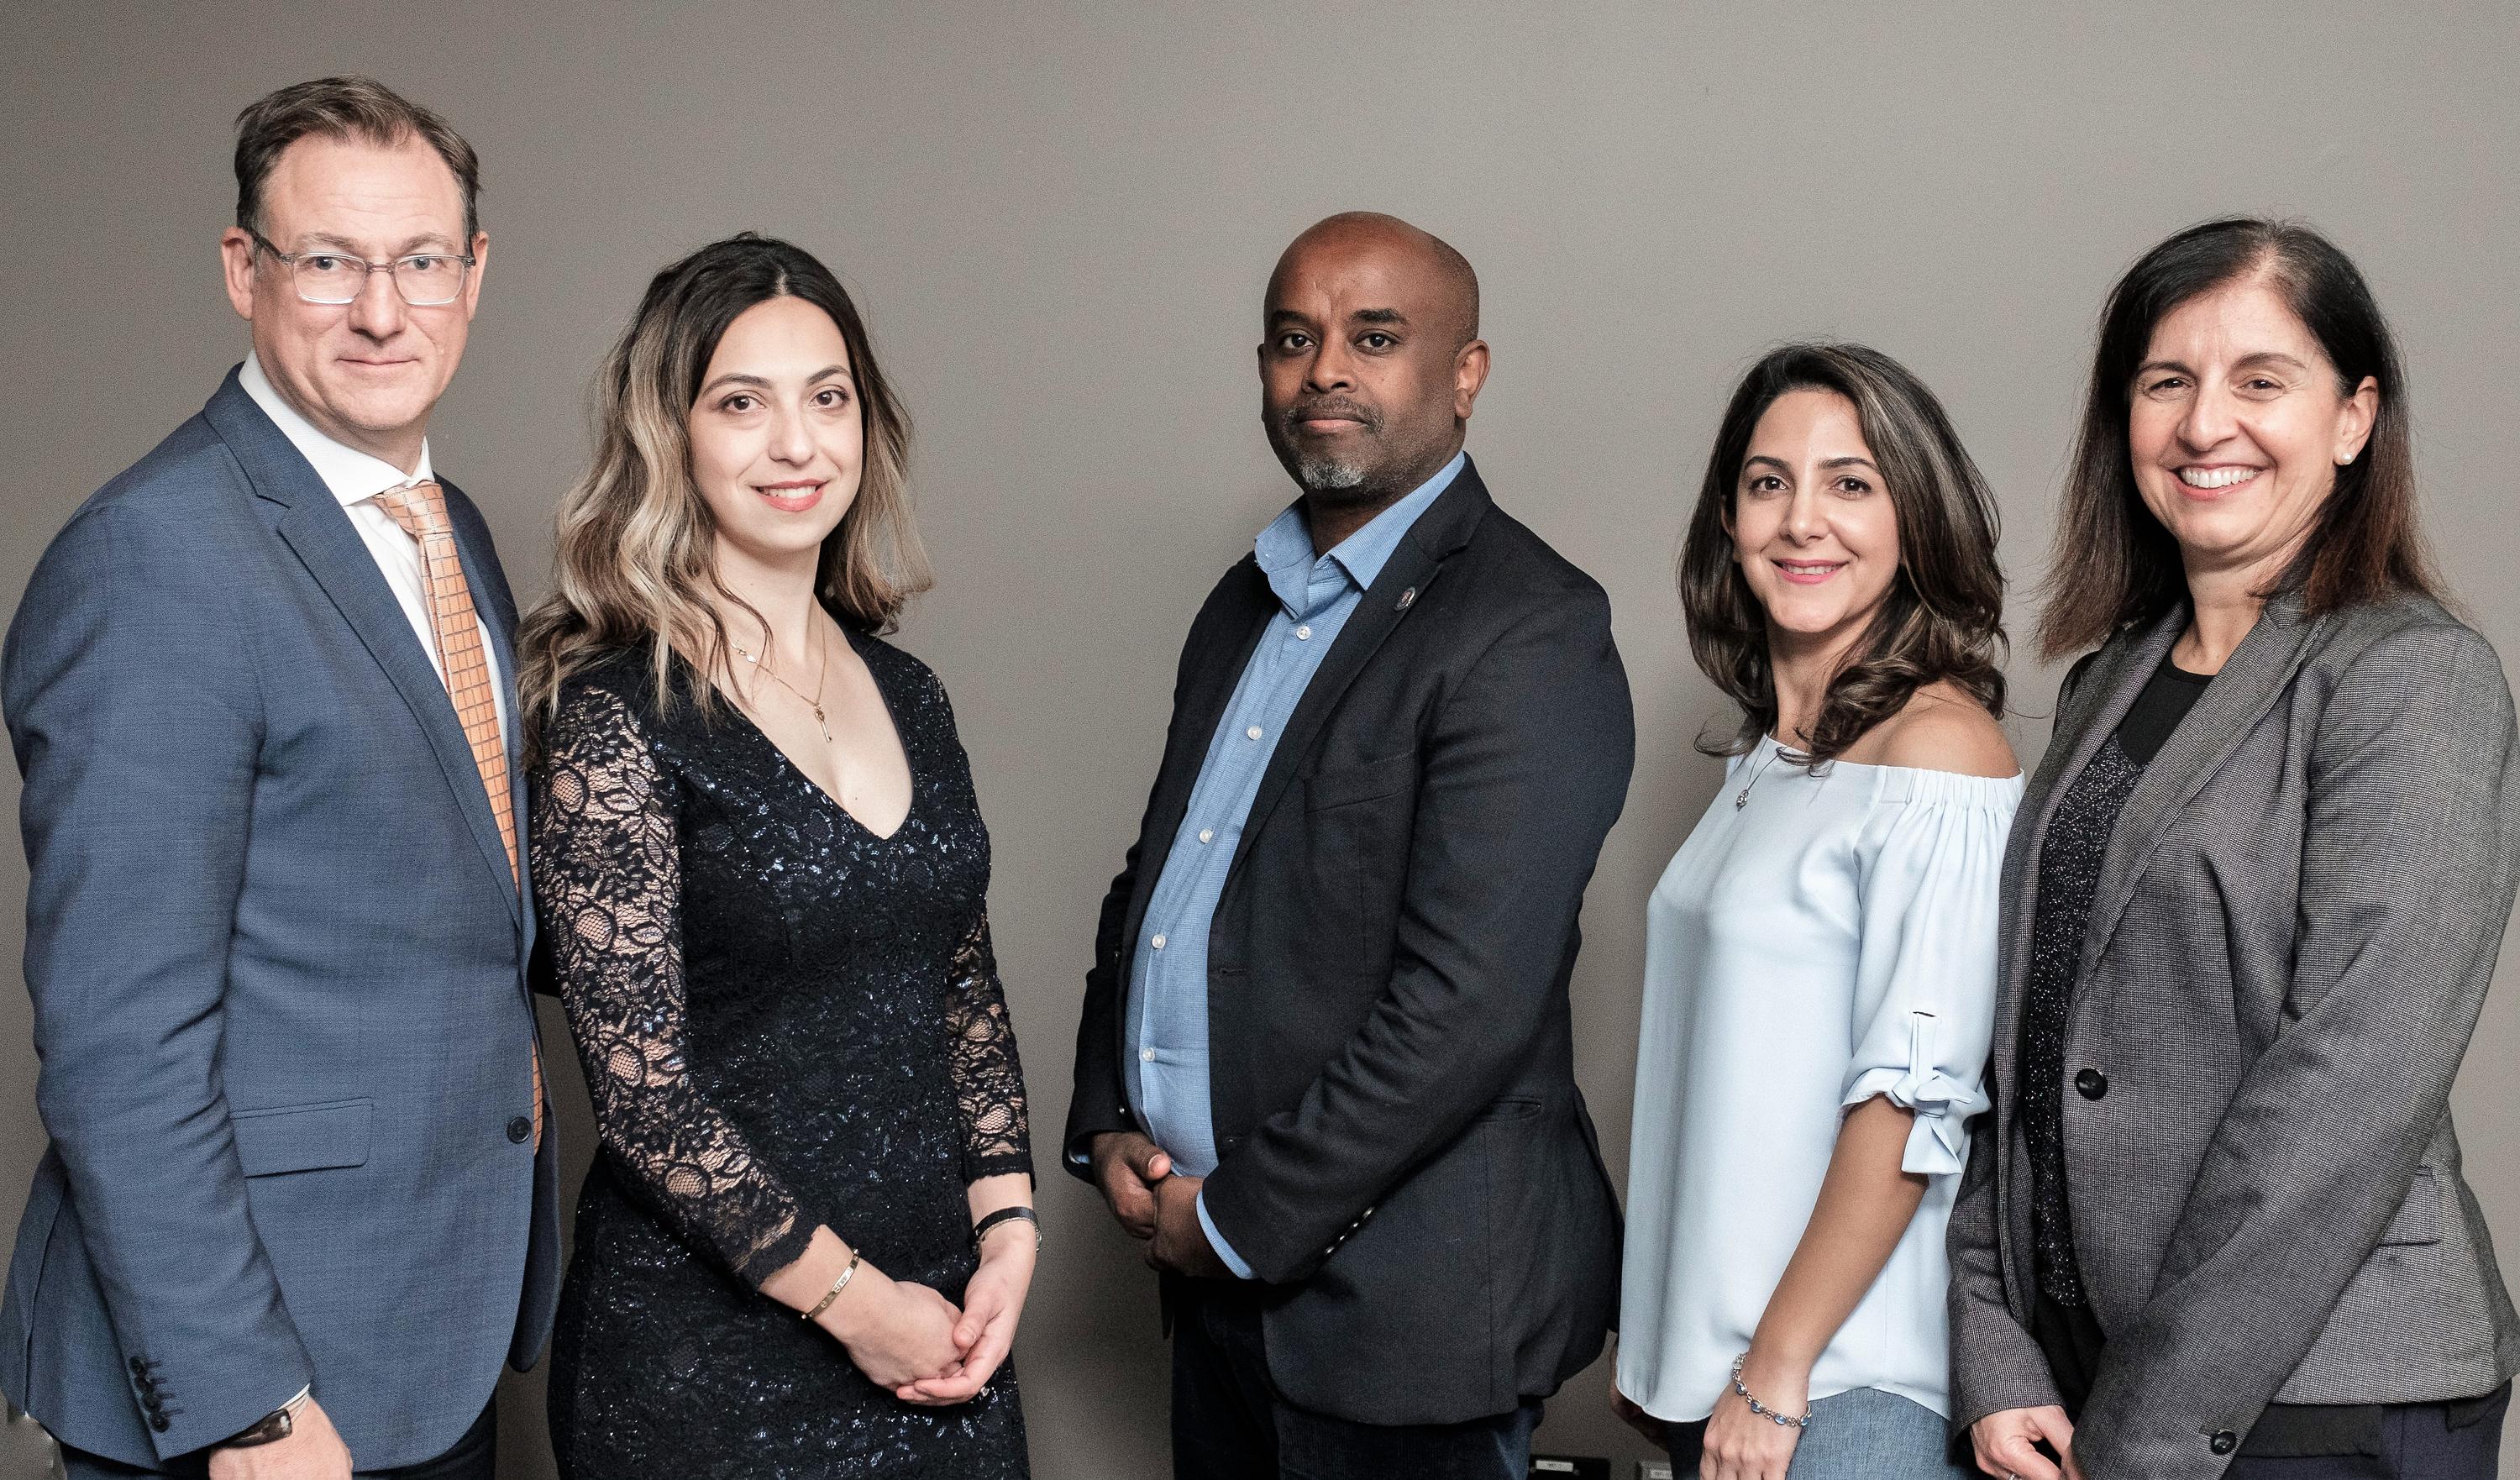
{"points": [[2252, 902]]}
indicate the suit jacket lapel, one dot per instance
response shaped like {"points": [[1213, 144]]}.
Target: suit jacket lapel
{"points": [[496, 608], [1444, 528], [2256, 674], [319, 530], [2108, 689], [1207, 690], [2117, 673]]}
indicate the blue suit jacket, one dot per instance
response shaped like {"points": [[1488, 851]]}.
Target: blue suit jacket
{"points": [[279, 978]]}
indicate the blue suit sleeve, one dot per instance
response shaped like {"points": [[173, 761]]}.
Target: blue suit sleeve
{"points": [[135, 715]]}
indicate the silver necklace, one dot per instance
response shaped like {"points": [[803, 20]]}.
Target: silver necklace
{"points": [[1742, 798]]}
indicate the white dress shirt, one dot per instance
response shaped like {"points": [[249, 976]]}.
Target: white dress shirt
{"points": [[355, 478], [1825, 938]]}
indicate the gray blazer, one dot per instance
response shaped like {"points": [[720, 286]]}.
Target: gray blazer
{"points": [[2295, 924], [278, 966]]}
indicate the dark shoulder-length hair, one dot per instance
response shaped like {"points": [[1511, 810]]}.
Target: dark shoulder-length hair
{"points": [[1943, 616], [635, 563], [2114, 565]]}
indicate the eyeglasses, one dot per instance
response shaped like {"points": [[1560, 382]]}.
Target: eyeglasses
{"points": [[426, 280]]}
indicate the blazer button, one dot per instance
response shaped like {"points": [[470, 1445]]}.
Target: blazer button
{"points": [[520, 1127], [2224, 1442], [159, 1422], [2092, 1084], [152, 1402], [139, 1368]]}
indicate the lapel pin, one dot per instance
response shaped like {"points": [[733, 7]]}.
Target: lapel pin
{"points": [[1405, 597]]}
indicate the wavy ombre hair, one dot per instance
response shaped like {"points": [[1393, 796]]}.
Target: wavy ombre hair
{"points": [[636, 560]]}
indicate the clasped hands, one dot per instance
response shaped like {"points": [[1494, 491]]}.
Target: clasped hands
{"points": [[910, 1339], [1155, 1205]]}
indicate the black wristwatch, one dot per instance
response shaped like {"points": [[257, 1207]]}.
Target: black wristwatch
{"points": [[981, 1230], [273, 1426]]}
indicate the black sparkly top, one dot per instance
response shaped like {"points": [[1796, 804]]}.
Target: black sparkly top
{"points": [[784, 1020], [2069, 875]]}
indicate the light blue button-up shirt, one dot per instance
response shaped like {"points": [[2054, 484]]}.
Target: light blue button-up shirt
{"points": [[1167, 1008]]}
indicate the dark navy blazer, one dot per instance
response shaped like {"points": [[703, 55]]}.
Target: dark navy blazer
{"points": [[279, 977], [1404, 1158]]}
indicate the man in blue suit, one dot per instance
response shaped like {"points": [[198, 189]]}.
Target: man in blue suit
{"points": [[300, 1204]]}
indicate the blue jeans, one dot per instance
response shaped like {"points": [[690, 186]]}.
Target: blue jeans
{"points": [[1861, 1434], [1231, 1423]]}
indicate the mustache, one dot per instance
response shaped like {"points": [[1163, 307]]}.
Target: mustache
{"points": [[1329, 406]]}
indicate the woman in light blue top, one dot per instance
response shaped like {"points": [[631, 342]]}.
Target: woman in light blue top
{"points": [[1819, 959]]}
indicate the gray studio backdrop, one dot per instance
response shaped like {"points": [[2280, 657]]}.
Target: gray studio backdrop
{"points": [[1059, 218]]}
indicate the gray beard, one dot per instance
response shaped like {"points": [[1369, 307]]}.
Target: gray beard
{"points": [[1329, 477]]}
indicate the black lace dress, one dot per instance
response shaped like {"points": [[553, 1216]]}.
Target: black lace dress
{"points": [[784, 1020]]}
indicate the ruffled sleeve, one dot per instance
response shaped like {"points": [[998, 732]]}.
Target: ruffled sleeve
{"points": [[1932, 860]]}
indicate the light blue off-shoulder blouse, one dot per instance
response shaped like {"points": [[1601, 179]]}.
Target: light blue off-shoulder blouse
{"points": [[1823, 937]]}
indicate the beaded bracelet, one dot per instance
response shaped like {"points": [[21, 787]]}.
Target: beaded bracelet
{"points": [[1769, 1413]]}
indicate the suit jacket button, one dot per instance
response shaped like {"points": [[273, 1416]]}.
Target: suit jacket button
{"points": [[2092, 1084], [152, 1402], [2224, 1442], [519, 1129], [159, 1421], [138, 1367]]}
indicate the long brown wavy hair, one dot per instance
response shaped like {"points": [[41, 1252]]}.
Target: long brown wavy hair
{"points": [[1943, 618], [2114, 565], [635, 567]]}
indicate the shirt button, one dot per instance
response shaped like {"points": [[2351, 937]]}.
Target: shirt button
{"points": [[1303, 634], [1251, 733], [1159, 942], [1207, 834], [1145, 1056]]}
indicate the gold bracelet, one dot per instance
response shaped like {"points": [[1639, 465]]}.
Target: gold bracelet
{"points": [[837, 1286]]}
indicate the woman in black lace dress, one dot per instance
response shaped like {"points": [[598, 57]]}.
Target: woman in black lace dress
{"points": [[762, 880]]}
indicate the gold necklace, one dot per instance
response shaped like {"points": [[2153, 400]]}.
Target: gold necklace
{"points": [[822, 677]]}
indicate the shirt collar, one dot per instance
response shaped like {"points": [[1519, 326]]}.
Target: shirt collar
{"points": [[351, 475], [1284, 549]]}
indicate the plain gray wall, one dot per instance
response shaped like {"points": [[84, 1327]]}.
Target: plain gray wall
{"points": [[1059, 218]]}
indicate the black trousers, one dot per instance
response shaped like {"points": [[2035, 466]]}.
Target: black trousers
{"points": [[475, 1457], [2459, 1440], [1230, 1423], [2410, 1441]]}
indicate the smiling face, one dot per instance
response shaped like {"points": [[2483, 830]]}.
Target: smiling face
{"points": [[1371, 364], [778, 443], [2236, 427], [365, 373], [1813, 528]]}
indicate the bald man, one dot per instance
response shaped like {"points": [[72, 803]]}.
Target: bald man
{"points": [[1325, 1070]]}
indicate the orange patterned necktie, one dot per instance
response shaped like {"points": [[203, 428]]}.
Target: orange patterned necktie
{"points": [[421, 510]]}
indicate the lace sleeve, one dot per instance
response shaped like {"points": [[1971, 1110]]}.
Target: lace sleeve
{"points": [[607, 879], [988, 1076]]}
